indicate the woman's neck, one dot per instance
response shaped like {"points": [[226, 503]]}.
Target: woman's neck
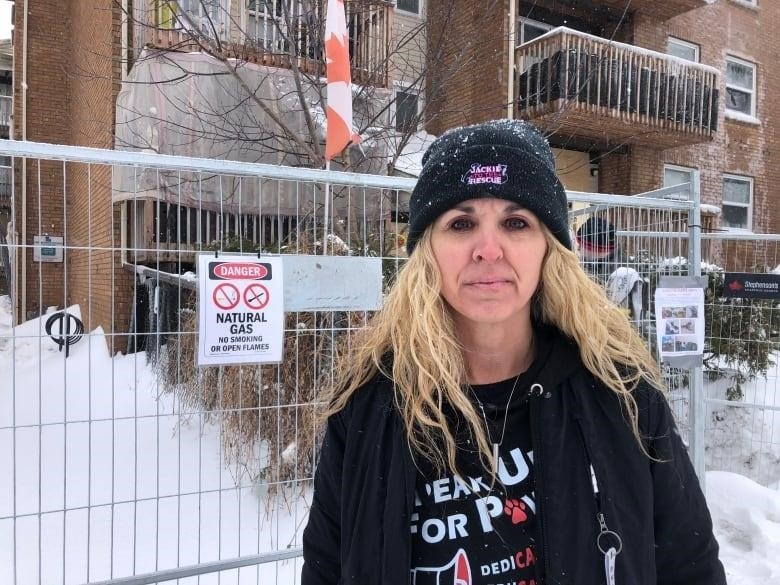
{"points": [[495, 353]]}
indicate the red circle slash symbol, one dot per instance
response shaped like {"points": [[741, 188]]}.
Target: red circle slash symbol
{"points": [[226, 296], [256, 296]]}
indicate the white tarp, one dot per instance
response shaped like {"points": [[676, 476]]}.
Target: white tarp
{"points": [[191, 104]]}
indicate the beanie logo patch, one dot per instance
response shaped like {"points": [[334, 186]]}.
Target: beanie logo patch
{"points": [[480, 174]]}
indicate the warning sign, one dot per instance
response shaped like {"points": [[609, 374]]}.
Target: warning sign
{"points": [[241, 312]]}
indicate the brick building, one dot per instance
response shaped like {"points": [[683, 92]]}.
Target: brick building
{"points": [[67, 72], [687, 87], [71, 66], [633, 95]]}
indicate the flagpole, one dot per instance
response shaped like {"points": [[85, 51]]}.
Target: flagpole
{"points": [[327, 211]]}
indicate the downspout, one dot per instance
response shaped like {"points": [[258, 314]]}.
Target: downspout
{"points": [[510, 90], [23, 280]]}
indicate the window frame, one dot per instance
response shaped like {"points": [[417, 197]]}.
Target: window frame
{"points": [[419, 12], [405, 88], [692, 171], [522, 20], [751, 92], [741, 179], [168, 14], [683, 43]]}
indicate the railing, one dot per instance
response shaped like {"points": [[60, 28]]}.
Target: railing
{"points": [[6, 110], [271, 32], [585, 81]]}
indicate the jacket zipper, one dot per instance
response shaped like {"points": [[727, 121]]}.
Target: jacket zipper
{"points": [[536, 391]]}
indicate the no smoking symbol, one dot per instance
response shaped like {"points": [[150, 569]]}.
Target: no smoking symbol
{"points": [[256, 296], [226, 296]]}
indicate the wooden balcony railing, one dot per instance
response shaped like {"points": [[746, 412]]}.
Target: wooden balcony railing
{"points": [[271, 32], [580, 85]]}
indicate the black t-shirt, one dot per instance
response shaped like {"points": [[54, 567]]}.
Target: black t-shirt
{"points": [[466, 531]]}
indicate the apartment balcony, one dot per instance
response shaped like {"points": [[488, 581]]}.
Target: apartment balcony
{"points": [[607, 93], [6, 114], [657, 9], [277, 33]]}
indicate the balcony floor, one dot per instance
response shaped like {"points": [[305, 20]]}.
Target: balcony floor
{"points": [[602, 131]]}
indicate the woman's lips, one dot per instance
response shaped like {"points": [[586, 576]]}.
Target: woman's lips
{"points": [[489, 283]]}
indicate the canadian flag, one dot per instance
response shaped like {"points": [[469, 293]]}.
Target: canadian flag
{"points": [[339, 113]]}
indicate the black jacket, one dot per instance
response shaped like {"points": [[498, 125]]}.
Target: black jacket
{"points": [[359, 523]]}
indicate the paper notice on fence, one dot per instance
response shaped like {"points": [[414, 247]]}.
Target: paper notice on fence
{"points": [[679, 322]]}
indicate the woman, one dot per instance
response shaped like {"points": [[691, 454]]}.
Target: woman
{"points": [[499, 421]]}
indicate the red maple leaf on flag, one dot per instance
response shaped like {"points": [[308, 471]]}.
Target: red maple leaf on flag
{"points": [[735, 285]]}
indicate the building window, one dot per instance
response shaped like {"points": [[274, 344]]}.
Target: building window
{"points": [[264, 19], [740, 86], [165, 14], [204, 15], [412, 6], [529, 30], [407, 108], [737, 210], [682, 49], [676, 175]]}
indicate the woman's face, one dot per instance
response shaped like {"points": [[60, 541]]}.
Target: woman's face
{"points": [[490, 253]]}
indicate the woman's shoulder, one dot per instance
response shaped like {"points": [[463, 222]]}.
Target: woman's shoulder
{"points": [[374, 396]]}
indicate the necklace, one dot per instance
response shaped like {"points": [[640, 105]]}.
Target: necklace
{"points": [[503, 427], [532, 350]]}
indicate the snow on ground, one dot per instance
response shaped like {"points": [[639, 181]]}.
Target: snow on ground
{"points": [[108, 478], [103, 476]]}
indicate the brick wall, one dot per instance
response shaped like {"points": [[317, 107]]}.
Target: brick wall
{"points": [[722, 28], [48, 101], [97, 281], [74, 74], [469, 62], [738, 148]]}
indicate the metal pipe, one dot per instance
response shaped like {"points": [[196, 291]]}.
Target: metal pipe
{"points": [[510, 102], [21, 302], [184, 163], [697, 410], [203, 568]]}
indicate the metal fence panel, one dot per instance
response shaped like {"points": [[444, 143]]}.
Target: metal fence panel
{"points": [[743, 397], [123, 462]]}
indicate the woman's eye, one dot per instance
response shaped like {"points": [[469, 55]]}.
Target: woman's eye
{"points": [[516, 223], [461, 224]]}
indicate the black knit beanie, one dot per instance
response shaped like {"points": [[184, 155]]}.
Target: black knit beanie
{"points": [[507, 159]]}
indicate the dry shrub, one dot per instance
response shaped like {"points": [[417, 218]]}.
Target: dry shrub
{"points": [[267, 413]]}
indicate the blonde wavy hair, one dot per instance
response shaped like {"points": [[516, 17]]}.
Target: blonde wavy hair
{"points": [[415, 330]]}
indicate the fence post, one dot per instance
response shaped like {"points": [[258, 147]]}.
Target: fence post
{"points": [[696, 407]]}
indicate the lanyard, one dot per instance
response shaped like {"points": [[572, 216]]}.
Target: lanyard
{"points": [[608, 542]]}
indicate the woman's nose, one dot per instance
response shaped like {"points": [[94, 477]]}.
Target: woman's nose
{"points": [[488, 248]]}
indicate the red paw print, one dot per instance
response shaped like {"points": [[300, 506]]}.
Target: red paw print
{"points": [[515, 509]]}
